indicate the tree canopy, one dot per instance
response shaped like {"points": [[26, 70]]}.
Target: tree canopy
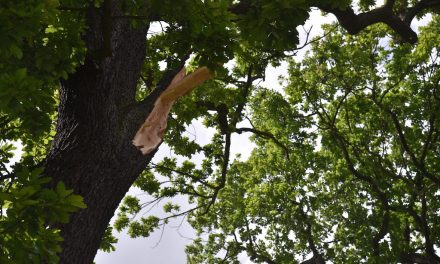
{"points": [[345, 168], [346, 164]]}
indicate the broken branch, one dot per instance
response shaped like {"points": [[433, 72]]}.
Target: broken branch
{"points": [[150, 134]]}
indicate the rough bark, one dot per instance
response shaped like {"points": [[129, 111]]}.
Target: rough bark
{"points": [[92, 151]]}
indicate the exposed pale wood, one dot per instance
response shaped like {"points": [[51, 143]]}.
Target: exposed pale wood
{"points": [[150, 134]]}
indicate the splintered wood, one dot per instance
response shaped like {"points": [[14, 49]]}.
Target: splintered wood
{"points": [[150, 134]]}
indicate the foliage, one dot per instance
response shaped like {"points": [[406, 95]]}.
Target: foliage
{"points": [[108, 241], [38, 46], [346, 165], [347, 154], [27, 210], [369, 193]]}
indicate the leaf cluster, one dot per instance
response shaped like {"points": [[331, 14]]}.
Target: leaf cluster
{"points": [[29, 215]]}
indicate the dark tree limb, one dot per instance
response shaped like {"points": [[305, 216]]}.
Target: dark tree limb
{"points": [[382, 232], [313, 260], [354, 23], [244, 95], [410, 258], [420, 166], [317, 256], [224, 172], [418, 9], [344, 147], [222, 114], [72, 8], [240, 8]]}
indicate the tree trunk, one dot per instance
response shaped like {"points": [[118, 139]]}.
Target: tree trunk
{"points": [[92, 151]]}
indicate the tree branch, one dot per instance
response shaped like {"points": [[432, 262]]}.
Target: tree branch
{"points": [[197, 179], [240, 8], [418, 9], [135, 114], [354, 23], [382, 232], [244, 95], [250, 249], [225, 164], [6, 176], [264, 134], [420, 166], [222, 114], [71, 8], [409, 258], [317, 256]]}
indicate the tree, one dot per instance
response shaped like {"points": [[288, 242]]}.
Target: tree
{"points": [[96, 62], [369, 192]]}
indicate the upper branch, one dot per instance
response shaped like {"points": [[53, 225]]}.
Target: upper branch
{"points": [[354, 23], [418, 9]]}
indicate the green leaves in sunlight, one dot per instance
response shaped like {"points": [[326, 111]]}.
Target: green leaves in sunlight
{"points": [[144, 226], [108, 241]]}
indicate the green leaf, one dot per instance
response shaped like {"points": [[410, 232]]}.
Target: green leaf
{"points": [[16, 52], [76, 201]]}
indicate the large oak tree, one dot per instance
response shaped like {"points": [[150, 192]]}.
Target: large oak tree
{"points": [[97, 63]]}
